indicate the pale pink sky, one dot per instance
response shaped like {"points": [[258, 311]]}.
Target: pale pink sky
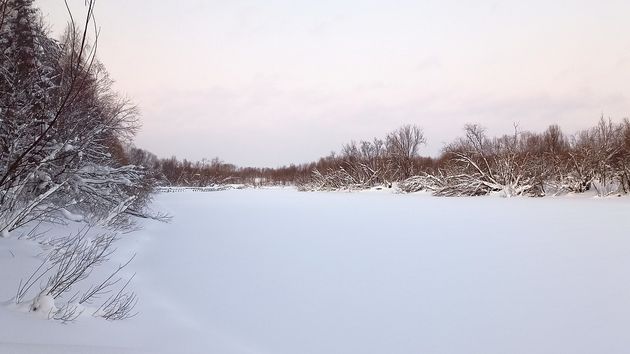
{"points": [[267, 83]]}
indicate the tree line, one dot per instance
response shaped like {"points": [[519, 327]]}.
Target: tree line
{"points": [[536, 164], [365, 163], [520, 163]]}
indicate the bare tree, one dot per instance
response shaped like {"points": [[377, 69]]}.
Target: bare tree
{"points": [[402, 147], [594, 159], [477, 165]]}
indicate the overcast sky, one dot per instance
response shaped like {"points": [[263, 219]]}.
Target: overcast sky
{"points": [[267, 83]]}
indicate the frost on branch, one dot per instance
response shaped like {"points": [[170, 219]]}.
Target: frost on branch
{"points": [[478, 165], [69, 264], [63, 129]]}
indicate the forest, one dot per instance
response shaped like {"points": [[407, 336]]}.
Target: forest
{"points": [[522, 163]]}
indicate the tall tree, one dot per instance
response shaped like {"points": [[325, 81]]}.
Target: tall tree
{"points": [[63, 128]]}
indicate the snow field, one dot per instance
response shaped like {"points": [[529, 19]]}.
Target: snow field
{"points": [[281, 272]]}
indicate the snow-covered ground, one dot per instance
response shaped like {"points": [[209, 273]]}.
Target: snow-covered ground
{"points": [[283, 272]]}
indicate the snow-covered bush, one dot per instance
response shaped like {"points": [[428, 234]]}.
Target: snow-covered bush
{"points": [[68, 265], [423, 182], [333, 179], [607, 188], [477, 165]]}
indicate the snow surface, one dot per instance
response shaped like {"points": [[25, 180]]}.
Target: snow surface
{"points": [[284, 272]]}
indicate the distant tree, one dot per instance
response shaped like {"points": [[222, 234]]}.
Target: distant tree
{"points": [[402, 147], [593, 158], [623, 158], [477, 165]]}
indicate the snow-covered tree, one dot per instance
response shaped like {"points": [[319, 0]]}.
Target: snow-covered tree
{"points": [[64, 137], [62, 128], [478, 165]]}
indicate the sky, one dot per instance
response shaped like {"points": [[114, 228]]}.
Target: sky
{"points": [[273, 82]]}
